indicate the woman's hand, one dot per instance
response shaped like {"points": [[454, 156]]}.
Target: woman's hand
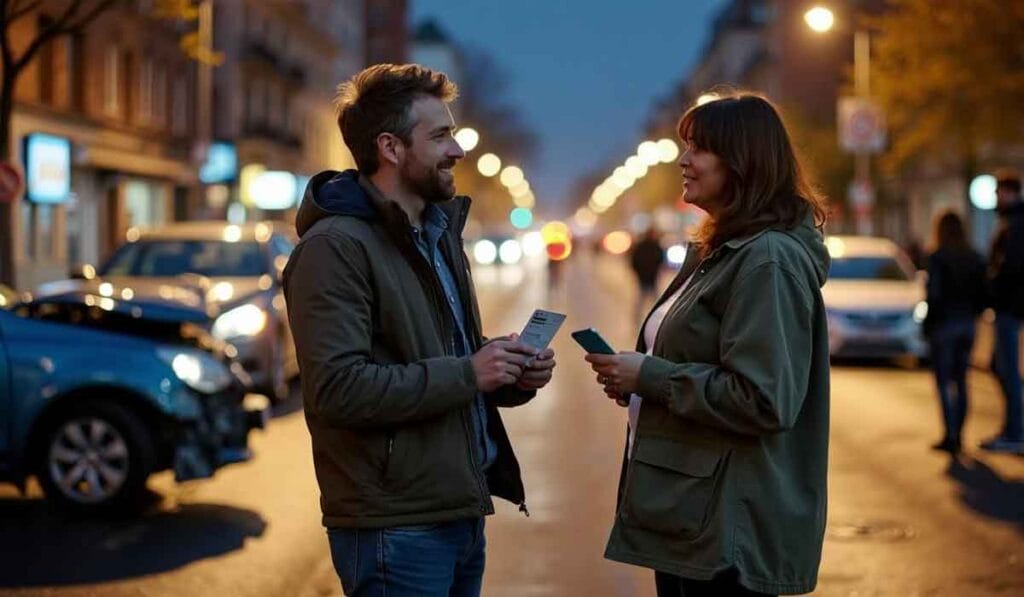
{"points": [[617, 372]]}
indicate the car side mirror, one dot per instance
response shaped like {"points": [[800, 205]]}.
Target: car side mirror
{"points": [[83, 271]]}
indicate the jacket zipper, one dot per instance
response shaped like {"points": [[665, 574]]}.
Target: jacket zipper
{"points": [[438, 293]]}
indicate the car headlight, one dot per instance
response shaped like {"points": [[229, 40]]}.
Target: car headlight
{"points": [[920, 312], [247, 320], [196, 369]]}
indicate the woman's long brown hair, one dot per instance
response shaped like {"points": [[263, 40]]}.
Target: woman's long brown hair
{"points": [[765, 184]]}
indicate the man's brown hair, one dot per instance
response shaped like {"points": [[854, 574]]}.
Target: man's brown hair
{"points": [[378, 99], [765, 183]]}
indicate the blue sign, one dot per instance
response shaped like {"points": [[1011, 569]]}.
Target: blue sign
{"points": [[221, 164], [47, 168]]}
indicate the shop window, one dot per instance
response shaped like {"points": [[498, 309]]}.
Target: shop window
{"points": [[144, 204]]}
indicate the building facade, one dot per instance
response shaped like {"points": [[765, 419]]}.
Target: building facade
{"points": [[121, 95], [128, 102]]}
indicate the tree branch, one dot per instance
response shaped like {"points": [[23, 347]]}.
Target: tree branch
{"points": [[90, 16], [52, 30], [17, 13]]}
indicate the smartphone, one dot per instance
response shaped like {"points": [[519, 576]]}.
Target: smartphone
{"points": [[541, 328], [592, 342]]}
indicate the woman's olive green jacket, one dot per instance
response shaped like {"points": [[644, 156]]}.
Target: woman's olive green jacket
{"points": [[729, 465]]}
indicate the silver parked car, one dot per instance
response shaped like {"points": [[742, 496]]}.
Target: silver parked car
{"points": [[235, 270], [874, 299]]}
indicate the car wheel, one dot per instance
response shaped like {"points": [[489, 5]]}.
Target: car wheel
{"points": [[95, 457]]}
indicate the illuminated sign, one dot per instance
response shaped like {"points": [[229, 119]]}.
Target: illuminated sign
{"points": [[47, 168], [221, 164]]}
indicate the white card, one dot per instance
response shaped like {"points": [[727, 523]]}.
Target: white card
{"points": [[541, 328]]}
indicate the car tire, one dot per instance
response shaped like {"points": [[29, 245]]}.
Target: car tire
{"points": [[95, 457]]}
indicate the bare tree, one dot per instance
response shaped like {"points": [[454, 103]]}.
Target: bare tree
{"points": [[75, 16]]}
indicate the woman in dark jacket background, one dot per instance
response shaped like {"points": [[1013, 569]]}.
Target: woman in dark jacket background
{"points": [[956, 295]]}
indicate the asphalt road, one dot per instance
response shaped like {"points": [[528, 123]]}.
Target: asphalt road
{"points": [[903, 520]]}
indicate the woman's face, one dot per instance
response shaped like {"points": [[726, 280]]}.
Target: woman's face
{"points": [[704, 175]]}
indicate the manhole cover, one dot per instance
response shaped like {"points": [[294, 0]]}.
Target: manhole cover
{"points": [[870, 531]]}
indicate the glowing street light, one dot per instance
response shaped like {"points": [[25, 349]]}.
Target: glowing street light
{"points": [[819, 19], [526, 200], [488, 164], [636, 167], [668, 150], [622, 178], [467, 138], [519, 189], [649, 152], [511, 176]]}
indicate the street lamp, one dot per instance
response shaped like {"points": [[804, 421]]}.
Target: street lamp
{"points": [[821, 20], [467, 138]]}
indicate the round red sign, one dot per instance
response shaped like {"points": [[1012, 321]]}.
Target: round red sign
{"points": [[10, 183]]}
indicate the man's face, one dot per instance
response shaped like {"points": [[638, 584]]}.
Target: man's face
{"points": [[432, 152]]}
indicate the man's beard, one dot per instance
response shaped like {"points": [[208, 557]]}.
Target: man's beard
{"points": [[427, 183]]}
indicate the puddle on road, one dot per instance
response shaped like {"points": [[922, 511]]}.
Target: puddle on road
{"points": [[877, 530]]}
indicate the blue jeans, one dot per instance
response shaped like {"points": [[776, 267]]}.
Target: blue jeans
{"points": [[1006, 365], [951, 356], [429, 560]]}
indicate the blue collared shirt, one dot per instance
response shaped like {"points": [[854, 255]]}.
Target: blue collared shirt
{"points": [[435, 223]]}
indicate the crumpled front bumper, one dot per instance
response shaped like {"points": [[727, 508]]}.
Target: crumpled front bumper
{"points": [[220, 436]]}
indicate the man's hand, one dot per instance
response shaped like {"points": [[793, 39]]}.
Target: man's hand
{"points": [[538, 372], [500, 362], [617, 372]]}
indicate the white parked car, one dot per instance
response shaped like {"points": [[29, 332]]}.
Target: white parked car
{"points": [[875, 300]]}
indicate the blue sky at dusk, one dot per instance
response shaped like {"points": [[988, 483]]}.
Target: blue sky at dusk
{"points": [[584, 73]]}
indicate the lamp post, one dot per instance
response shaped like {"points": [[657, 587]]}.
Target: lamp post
{"points": [[864, 119]]}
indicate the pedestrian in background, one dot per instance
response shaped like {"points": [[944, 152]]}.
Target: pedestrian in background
{"points": [[400, 391], [956, 295], [646, 258], [724, 490], [1006, 272]]}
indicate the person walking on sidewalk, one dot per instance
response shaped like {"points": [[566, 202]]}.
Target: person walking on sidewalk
{"points": [[1006, 272], [645, 259], [956, 295], [399, 388]]}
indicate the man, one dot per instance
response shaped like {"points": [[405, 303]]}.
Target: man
{"points": [[400, 391], [1006, 271]]}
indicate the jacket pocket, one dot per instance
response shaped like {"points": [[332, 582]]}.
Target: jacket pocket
{"points": [[671, 485]]}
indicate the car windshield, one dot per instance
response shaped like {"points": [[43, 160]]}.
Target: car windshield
{"points": [[166, 258], [868, 268]]}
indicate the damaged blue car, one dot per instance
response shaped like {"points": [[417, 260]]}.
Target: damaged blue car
{"points": [[99, 392]]}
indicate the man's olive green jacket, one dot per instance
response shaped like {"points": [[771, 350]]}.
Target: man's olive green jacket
{"points": [[386, 399]]}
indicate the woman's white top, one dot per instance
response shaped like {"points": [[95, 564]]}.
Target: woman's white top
{"points": [[650, 333]]}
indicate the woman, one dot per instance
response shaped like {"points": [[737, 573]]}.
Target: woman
{"points": [[724, 490], [956, 295]]}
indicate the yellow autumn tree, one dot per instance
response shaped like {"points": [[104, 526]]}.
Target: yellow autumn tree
{"points": [[950, 76]]}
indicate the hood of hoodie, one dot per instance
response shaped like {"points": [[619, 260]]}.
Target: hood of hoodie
{"points": [[333, 193], [813, 242]]}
